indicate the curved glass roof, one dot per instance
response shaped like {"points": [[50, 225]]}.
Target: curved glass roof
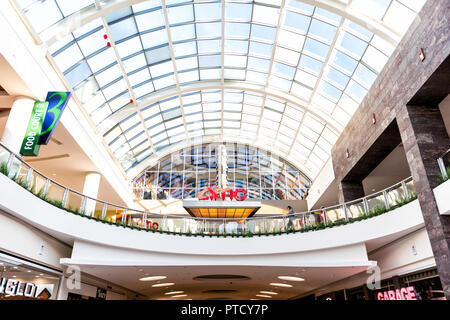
{"points": [[157, 75]]}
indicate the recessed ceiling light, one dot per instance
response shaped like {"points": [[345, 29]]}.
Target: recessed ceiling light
{"points": [[179, 296], [152, 278], [290, 278], [174, 292], [268, 292], [163, 284], [263, 296], [281, 285]]}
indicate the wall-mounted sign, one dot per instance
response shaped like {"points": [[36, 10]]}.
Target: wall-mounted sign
{"points": [[101, 294], [43, 121], [28, 289], [407, 293], [30, 146], [212, 194], [57, 102]]}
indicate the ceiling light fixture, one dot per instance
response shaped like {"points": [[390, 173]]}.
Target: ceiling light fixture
{"points": [[281, 285], [152, 278], [163, 284], [263, 296], [268, 292], [290, 278], [174, 292], [180, 296]]}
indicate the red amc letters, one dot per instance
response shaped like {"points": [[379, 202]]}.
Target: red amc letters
{"points": [[211, 194]]}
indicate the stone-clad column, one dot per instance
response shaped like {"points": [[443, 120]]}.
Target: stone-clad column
{"points": [[425, 138], [350, 190]]}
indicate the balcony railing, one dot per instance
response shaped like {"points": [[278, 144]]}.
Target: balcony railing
{"points": [[77, 203]]}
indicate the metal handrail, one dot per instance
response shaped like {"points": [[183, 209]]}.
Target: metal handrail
{"points": [[128, 211]]}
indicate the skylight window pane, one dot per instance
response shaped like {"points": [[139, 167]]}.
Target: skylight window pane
{"points": [[329, 91], [280, 83], [258, 64], [114, 89], [183, 32], [143, 90], [263, 32], [139, 77], [257, 77], [352, 45], [184, 77], [234, 74], [180, 14], [356, 91], [266, 15], [287, 56], [343, 61], [154, 38], [102, 60], [382, 45], [69, 7], [58, 45], [119, 102], [92, 43], [310, 64], [164, 82], [341, 116], [108, 75], [235, 61], [322, 30], [210, 61], [186, 63], [365, 76], [158, 55], [128, 47], [68, 57], [87, 28], [118, 14], [260, 49], [184, 49], [209, 46], [374, 8], [238, 30], [209, 30], [89, 95], [327, 15], [348, 104], [47, 9], [323, 103], [162, 68], [134, 63], [236, 46], [305, 78], [284, 70], [100, 114], [375, 59], [298, 22], [150, 20], [316, 48], [238, 11], [300, 6], [123, 29], [78, 74], [290, 40], [358, 30], [338, 78], [146, 5], [208, 11], [301, 91]]}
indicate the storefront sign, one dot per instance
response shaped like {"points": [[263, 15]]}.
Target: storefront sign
{"points": [[407, 293], [30, 146], [101, 294], [212, 194], [29, 290], [57, 102]]}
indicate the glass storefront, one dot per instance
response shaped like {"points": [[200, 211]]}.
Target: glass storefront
{"points": [[184, 174], [21, 280]]}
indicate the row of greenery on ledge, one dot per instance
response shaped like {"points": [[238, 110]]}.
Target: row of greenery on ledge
{"points": [[442, 178], [320, 226]]}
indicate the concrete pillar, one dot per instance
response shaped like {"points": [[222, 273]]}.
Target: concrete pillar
{"points": [[90, 189], [425, 138], [350, 190], [17, 123]]}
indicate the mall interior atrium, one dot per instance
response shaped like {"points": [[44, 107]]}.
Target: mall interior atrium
{"points": [[225, 150]]}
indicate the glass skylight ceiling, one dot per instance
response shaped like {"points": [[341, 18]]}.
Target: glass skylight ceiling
{"points": [[220, 64]]}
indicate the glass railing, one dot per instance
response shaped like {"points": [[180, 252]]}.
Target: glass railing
{"points": [[72, 201], [444, 166]]}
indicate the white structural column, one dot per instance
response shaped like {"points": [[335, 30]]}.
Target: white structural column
{"points": [[90, 189], [17, 123]]}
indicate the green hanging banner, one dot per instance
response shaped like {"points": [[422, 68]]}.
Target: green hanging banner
{"points": [[30, 146]]}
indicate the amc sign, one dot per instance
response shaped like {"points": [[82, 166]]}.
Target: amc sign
{"points": [[212, 194]]}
